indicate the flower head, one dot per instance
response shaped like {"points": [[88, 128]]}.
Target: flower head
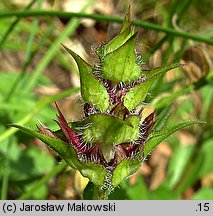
{"points": [[111, 141], [114, 130]]}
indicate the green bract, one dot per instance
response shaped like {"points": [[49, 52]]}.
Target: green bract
{"points": [[115, 43], [120, 64], [111, 130], [111, 141], [138, 93], [92, 91]]}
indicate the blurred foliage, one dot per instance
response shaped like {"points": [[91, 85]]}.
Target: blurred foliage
{"points": [[35, 71]]}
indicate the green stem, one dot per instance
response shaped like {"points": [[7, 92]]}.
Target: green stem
{"points": [[100, 194], [6, 168], [13, 25], [147, 25]]}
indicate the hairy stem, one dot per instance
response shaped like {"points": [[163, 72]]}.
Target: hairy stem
{"points": [[100, 194]]}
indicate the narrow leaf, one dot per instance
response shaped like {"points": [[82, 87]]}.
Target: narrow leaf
{"points": [[177, 165], [207, 166], [156, 137], [161, 70]]}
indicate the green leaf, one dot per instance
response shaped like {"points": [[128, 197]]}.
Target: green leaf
{"points": [[110, 131], [205, 193], [40, 193], [95, 172], [138, 191], [177, 165], [206, 151], [137, 94], [163, 117], [42, 162], [31, 163], [126, 20], [161, 70], [119, 193], [88, 191], [116, 42], [43, 181], [125, 33], [14, 153], [163, 193], [191, 176], [156, 137], [124, 170], [120, 65], [201, 166], [92, 90]]}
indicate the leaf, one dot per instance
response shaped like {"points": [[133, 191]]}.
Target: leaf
{"points": [[156, 137], [42, 162], [92, 90], [161, 70], [206, 151], [14, 152], [95, 172], [124, 170], [119, 193], [138, 191], [31, 163], [163, 193], [88, 191], [125, 33], [201, 167], [163, 117], [120, 65], [137, 94], [118, 41], [126, 20], [115, 43], [205, 193], [40, 193], [177, 165], [191, 176], [109, 131]]}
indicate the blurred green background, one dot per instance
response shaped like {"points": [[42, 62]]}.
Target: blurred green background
{"points": [[35, 71]]}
